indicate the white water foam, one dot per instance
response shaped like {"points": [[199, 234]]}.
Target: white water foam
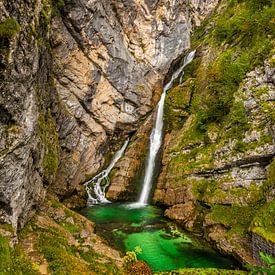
{"points": [[96, 187]]}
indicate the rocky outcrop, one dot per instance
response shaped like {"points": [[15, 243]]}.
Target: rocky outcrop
{"points": [[170, 25], [129, 167], [57, 240], [25, 82], [206, 183]]}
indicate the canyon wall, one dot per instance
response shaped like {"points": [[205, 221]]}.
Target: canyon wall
{"points": [[217, 176], [76, 75]]}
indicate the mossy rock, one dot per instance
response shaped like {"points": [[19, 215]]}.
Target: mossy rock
{"points": [[176, 105], [203, 271], [264, 223]]}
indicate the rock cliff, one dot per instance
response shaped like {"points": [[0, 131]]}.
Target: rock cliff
{"points": [[74, 76], [217, 174]]}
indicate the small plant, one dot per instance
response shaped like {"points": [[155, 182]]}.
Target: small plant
{"points": [[131, 257], [9, 27], [269, 263]]}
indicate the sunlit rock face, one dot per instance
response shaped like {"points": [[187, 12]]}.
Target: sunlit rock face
{"points": [[72, 78]]}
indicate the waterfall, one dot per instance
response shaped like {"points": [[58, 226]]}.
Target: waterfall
{"points": [[156, 134], [97, 185]]}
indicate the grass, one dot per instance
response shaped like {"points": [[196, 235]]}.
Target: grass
{"points": [[13, 260]]}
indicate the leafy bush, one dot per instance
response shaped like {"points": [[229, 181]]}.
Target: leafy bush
{"points": [[224, 77]]}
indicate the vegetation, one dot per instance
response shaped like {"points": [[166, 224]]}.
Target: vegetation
{"points": [[49, 138], [9, 27], [13, 260], [203, 271], [133, 266], [263, 223], [243, 34], [269, 267]]}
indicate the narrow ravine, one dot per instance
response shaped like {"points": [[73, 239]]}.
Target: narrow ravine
{"points": [[127, 225]]}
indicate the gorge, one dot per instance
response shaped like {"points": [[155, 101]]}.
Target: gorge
{"points": [[80, 80]]}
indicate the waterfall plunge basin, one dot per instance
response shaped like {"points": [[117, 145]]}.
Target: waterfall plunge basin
{"points": [[164, 245]]}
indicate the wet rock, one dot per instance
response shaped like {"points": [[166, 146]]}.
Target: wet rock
{"points": [[183, 213]]}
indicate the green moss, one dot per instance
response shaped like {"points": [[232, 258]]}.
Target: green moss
{"points": [[238, 119], [64, 258], [49, 138], [176, 105], [268, 108], [235, 218], [72, 228], [59, 254], [55, 204], [240, 146], [239, 39], [263, 223], [9, 27], [47, 10]]}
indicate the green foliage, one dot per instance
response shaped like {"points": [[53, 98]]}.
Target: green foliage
{"points": [[131, 257], [269, 262], [268, 259], [202, 271], [224, 77], [236, 218], [263, 223], [257, 5], [72, 228], [13, 260], [238, 116], [176, 105], [59, 254], [244, 26], [9, 27], [60, 4], [244, 39], [240, 146], [133, 266]]}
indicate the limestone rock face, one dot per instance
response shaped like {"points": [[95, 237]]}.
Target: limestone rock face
{"points": [[22, 73], [157, 33], [225, 174], [74, 76]]}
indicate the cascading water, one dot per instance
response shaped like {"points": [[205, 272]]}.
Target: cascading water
{"points": [[97, 185], [156, 134]]}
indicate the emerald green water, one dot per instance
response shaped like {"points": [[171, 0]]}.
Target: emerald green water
{"points": [[164, 246]]}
